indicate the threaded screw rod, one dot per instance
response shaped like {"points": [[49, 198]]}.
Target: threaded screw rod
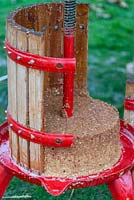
{"points": [[69, 28]]}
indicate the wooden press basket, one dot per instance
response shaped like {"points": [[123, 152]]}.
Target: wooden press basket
{"points": [[38, 29]]}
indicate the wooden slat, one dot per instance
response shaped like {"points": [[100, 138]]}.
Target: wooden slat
{"points": [[36, 102], [81, 45], [42, 13], [12, 96], [129, 115], [22, 98], [8, 27], [56, 41], [27, 17]]}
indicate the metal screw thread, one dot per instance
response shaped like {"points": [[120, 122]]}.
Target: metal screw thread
{"points": [[69, 16]]}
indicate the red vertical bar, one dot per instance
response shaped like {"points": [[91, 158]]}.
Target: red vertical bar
{"points": [[68, 77]]}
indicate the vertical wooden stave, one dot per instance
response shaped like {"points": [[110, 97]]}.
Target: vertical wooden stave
{"points": [[12, 90], [56, 42], [54, 48], [22, 98], [81, 46], [36, 102], [8, 24]]}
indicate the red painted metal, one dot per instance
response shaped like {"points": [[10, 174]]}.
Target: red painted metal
{"points": [[46, 139], [57, 185], [5, 179], [129, 104], [68, 77], [48, 64], [123, 187]]}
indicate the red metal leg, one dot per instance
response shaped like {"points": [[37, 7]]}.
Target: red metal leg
{"points": [[5, 179], [123, 187]]}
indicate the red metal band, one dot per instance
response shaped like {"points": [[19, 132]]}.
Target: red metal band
{"points": [[46, 139], [48, 64], [129, 104]]}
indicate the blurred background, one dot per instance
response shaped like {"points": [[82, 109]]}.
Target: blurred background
{"points": [[111, 47]]}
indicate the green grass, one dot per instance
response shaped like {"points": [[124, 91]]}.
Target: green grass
{"points": [[110, 49]]}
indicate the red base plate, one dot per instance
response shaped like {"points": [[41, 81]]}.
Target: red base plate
{"points": [[57, 185]]}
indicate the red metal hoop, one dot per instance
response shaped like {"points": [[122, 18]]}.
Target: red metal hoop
{"points": [[47, 64], [46, 139]]}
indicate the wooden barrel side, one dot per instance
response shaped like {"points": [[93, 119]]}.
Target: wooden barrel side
{"points": [[34, 19], [39, 30]]}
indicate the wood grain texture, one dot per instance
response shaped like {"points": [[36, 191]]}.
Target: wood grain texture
{"points": [[56, 41], [81, 45], [27, 17], [36, 102], [22, 98], [129, 115], [12, 87]]}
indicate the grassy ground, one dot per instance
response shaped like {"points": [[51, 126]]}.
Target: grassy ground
{"points": [[110, 49]]}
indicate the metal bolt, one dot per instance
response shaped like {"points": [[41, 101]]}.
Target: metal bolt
{"points": [[82, 26], [32, 30], [44, 28], [4, 47], [32, 136], [19, 131], [58, 141], [56, 27], [5, 118], [31, 62], [6, 111], [9, 52], [18, 57], [59, 66], [67, 105], [10, 125]]}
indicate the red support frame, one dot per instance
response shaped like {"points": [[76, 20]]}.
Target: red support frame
{"points": [[123, 187], [5, 179], [118, 178]]}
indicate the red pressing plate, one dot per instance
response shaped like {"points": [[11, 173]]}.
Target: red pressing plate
{"points": [[129, 104], [57, 185]]}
